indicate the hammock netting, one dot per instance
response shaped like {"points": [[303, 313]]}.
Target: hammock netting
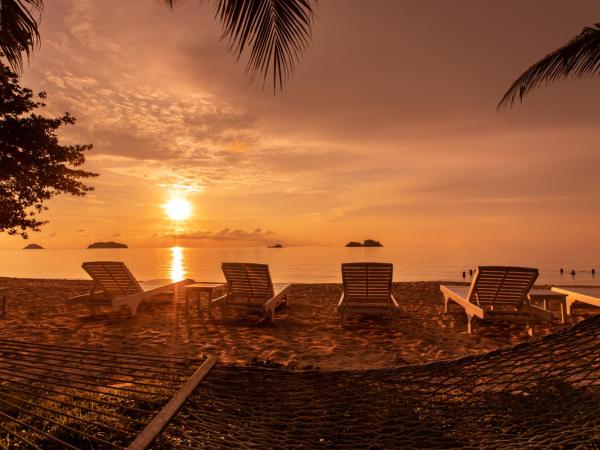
{"points": [[544, 393]]}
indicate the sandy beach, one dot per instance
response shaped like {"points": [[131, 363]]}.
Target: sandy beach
{"points": [[306, 333]]}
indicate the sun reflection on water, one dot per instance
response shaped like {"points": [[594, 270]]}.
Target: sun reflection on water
{"points": [[177, 270]]}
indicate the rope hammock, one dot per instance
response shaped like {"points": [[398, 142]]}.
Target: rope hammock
{"points": [[543, 393], [54, 397]]}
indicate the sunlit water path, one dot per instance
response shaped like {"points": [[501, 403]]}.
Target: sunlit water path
{"points": [[294, 264]]}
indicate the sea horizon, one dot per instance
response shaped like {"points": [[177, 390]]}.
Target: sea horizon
{"points": [[297, 264]]}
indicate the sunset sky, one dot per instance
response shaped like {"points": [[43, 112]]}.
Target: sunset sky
{"points": [[388, 130]]}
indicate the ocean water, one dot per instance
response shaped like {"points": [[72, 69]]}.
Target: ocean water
{"points": [[296, 264]]}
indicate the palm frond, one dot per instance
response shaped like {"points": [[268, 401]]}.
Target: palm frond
{"points": [[277, 31], [578, 59], [19, 30]]}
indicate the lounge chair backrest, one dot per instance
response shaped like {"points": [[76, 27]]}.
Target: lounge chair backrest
{"points": [[248, 280], [367, 282], [113, 277], [501, 287]]}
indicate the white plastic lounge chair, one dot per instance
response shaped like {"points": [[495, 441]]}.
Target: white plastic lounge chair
{"points": [[498, 293], [367, 290], [116, 286], [249, 286], [589, 295]]}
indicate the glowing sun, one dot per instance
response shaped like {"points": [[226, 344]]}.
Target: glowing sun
{"points": [[178, 209]]}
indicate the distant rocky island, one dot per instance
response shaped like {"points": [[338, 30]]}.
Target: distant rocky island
{"points": [[33, 247], [109, 244], [365, 243], [276, 246]]}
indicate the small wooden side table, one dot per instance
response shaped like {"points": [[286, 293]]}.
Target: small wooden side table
{"points": [[3, 292], [546, 296], [212, 290]]}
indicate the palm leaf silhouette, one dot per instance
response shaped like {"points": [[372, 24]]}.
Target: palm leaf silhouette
{"points": [[278, 32], [579, 58], [19, 30]]}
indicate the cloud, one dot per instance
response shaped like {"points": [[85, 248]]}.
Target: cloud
{"points": [[226, 234], [146, 124], [377, 141], [139, 110]]}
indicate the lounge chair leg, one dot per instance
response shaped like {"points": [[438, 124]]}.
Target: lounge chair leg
{"points": [[563, 312], [469, 323], [446, 303], [529, 329], [569, 306], [342, 319], [272, 315]]}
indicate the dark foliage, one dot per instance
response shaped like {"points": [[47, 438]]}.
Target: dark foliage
{"points": [[34, 166], [19, 29], [372, 243], [278, 32], [365, 243], [578, 59], [354, 244], [109, 244]]}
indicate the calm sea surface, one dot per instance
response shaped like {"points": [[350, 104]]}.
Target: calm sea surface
{"points": [[293, 264]]}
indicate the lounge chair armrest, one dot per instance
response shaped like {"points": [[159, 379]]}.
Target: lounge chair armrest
{"points": [[341, 302], [394, 301], [273, 302]]}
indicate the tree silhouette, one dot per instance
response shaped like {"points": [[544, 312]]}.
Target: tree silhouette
{"points": [[34, 166]]}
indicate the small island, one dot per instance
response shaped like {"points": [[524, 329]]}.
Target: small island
{"points": [[276, 246], [365, 243], [109, 244], [33, 247]]}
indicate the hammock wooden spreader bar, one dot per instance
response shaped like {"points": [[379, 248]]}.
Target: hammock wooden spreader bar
{"points": [[78, 398], [147, 436]]}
